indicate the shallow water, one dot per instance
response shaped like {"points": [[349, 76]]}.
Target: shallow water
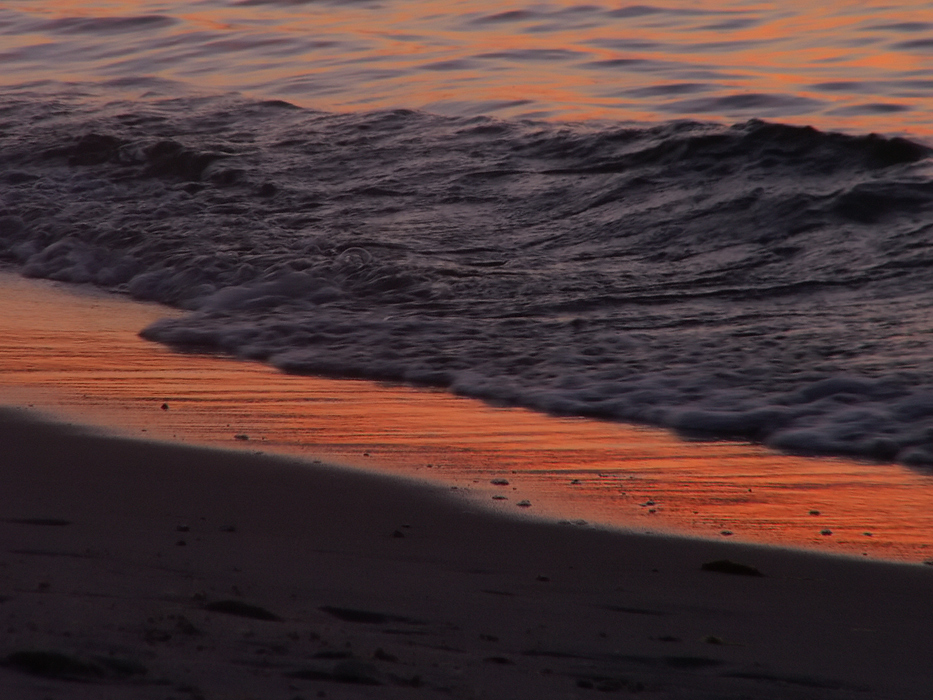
{"points": [[857, 66], [760, 281]]}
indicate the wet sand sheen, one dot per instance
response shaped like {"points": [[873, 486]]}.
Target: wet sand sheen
{"points": [[78, 355]]}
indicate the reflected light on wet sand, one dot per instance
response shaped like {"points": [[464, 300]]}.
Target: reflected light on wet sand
{"points": [[77, 355]]}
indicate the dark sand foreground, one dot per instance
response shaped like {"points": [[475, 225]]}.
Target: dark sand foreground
{"points": [[141, 570]]}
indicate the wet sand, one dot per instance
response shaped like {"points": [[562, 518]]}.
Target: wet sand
{"points": [[76, 355]]}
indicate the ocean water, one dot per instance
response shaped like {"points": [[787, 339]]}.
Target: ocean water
{"points": [[861, 66], [616, 211]]}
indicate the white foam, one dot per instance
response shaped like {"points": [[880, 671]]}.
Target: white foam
{"points": [[723, 282]]}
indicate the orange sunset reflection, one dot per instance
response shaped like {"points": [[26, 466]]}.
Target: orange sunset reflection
{"points": [[836, 66], [79, 356]]}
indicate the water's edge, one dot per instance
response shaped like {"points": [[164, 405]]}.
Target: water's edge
{"points": [[93, 369], [761, 281]]}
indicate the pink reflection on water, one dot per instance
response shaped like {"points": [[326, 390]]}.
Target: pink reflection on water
{"points": [[837, 66]]}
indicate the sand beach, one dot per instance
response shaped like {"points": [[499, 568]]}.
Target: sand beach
{"points": [[136, 569]]}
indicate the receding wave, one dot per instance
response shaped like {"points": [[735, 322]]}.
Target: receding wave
{"points": [[760, 281]]}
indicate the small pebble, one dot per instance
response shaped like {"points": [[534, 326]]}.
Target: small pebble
{"points": [[524, 504], [826, 532]]}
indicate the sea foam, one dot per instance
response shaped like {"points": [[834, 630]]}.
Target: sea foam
{"points": [[760, 281]]}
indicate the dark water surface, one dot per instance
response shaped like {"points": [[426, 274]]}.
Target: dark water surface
{"points": [[763, 281]]}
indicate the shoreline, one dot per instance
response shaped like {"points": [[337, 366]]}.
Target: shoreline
{"points": [[143, 568], [75, 355]]}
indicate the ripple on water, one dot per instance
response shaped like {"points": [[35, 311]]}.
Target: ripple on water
{"points": [[854, 68]]}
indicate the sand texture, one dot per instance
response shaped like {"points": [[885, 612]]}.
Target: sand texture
{"points": [[144, 570]]}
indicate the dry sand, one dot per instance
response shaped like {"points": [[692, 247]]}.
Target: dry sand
{"points": [[129, 570]]}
